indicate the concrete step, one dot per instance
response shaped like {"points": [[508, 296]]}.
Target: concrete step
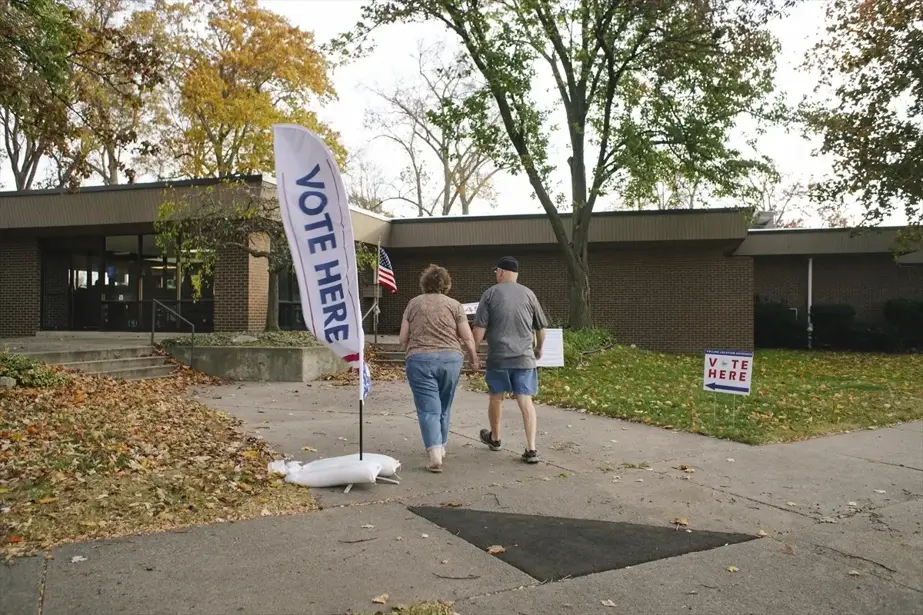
{"points": [[138, 373], [58, 357], [108, 365]]}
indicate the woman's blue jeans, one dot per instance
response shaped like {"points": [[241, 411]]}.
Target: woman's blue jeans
{"points": [[433, 377]]}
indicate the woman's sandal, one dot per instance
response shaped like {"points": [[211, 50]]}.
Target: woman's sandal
{"points": [[434, 469]]}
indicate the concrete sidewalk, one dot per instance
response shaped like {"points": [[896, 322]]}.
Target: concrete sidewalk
{"points": [[843, 517]]}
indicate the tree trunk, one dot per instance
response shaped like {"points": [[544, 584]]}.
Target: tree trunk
{"points": [[578, 286], [272, 307]]}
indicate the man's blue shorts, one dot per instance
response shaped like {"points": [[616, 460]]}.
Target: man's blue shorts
{"points": [[515, 381]]}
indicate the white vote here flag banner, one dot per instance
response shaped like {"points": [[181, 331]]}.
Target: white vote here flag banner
{"points": [[315, 213]]}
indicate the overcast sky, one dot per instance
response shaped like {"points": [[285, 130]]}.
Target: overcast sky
{"points": [[396, 44], [392, 61]]}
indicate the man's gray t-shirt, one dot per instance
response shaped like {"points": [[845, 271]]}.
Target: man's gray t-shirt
{"points": [[511, 314]]}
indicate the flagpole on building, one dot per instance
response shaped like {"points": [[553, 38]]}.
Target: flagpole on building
{"points": [[377, 295]]}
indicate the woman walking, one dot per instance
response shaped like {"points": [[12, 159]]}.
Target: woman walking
{"points": [[433, 331]]}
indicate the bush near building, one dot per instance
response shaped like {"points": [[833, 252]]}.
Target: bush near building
{"points": [[836, 328]]}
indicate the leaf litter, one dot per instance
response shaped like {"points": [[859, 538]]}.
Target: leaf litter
{"points": [[93, 457]]}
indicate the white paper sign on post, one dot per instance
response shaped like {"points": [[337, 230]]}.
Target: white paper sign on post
{"points": [[728, 371], [552, 349], [470, 308]]}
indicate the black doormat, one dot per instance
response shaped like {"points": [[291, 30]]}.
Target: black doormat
{"points": [[553, 548]]}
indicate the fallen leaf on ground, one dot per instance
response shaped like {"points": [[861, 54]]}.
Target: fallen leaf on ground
{"points": [[788, 549], [310, 449], [854, 573], [880, 491], [140, 456], [790, 504], [496, 550], [265, 513], [450, 505], [733, 569], [424, 535], [686, 468], [382, 599], [77, 559], [731, 459], [608, 603], [683, 521], [762, 534], [851, 504], [367, 526], [827, 520]]}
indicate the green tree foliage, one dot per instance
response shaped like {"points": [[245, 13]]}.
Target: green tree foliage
{"points": [[64, 67], [634, 79], [236, 69], [232, 215], [868, 109]]}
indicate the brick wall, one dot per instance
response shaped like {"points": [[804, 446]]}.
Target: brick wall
{"points": [[672, 299], [20, 287], [241, 290], [864, 281]]}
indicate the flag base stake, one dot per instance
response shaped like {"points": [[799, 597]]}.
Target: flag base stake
{"points": [[361, 404]]}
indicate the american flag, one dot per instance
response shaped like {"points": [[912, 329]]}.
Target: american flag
{"points": [[385, 273]]}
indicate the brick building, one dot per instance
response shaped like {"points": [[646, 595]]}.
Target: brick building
{"points": [[674, 281]]}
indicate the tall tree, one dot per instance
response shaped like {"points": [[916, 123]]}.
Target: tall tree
{"points": [[368, 188], [446, 168], [233, 215], [237, 69], [868, 109], [632, 78], [80, 65], [769, 191]]}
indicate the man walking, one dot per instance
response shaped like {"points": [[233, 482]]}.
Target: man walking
{"points": [[510, 316]]}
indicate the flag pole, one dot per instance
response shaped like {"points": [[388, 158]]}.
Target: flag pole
{"points": [[377, 295]]}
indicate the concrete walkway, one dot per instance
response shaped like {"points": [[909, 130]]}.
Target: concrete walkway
{"points": [[843, 517]]}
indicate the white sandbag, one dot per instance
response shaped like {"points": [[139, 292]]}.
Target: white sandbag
{"points": [[389, 465], [277, 467], [292, 466], [359, 472]]}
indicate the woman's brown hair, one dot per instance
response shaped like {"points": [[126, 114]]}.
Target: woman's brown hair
{"points": [[435, 279]]}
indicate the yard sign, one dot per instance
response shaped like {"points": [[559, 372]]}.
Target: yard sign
{"points": [[728, 371]]}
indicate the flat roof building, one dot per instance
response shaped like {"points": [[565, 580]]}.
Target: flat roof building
{"points": [[679, 280]]}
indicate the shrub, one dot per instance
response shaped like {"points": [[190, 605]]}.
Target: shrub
{"points": [[905, 323], [776, 326], [833, 324], [28, 372], [579, 341]]}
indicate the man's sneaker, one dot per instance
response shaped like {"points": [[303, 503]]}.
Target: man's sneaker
{"points": [[488, 438], [530, 456]]}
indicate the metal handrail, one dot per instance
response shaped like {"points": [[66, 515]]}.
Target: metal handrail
{"points": [[154, 304]]}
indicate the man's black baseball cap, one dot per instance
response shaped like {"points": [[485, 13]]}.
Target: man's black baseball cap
{"points": [[508, 263]]}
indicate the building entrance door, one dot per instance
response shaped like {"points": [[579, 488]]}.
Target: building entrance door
{"points": [[57, 289]]}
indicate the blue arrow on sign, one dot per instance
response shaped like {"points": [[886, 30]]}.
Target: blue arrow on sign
{"points": [[724, 387]]}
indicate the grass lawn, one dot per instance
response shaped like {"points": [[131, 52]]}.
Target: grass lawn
{"points": [[796, 394], [83, 457]]}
